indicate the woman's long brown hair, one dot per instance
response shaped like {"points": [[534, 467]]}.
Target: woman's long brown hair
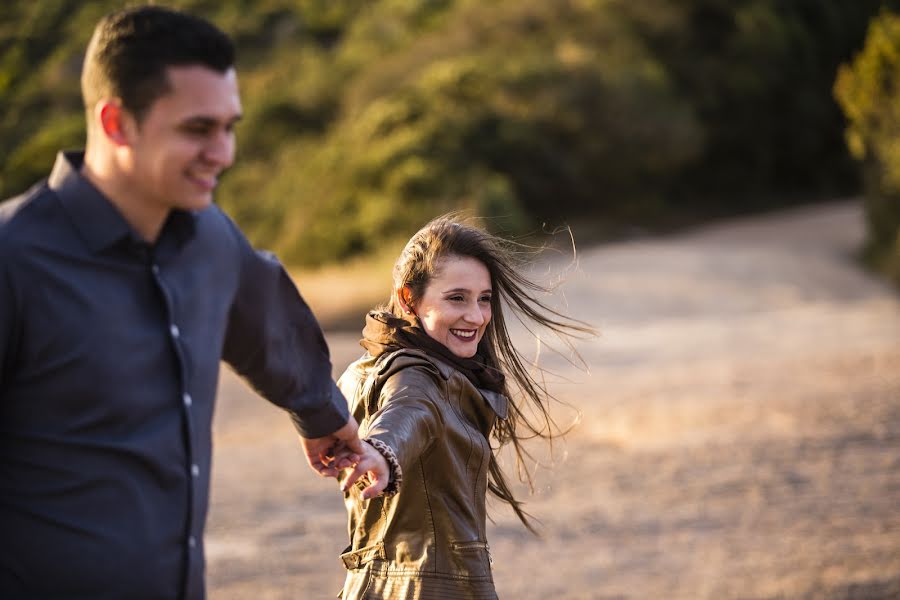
{"points": [[420, 261]]}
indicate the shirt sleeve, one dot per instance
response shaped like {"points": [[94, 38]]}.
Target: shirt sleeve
{"points": [[6, 320], [407, 419], [274, 341]]}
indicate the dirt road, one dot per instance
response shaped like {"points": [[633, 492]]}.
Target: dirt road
{"points": [[739, 438]]}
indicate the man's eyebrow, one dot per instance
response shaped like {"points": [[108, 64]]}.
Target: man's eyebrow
{"points": [[210, 121]]}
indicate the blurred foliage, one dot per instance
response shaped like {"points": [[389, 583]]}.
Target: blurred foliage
{"points": [[868, 90], [365, 117], [759, 74]]}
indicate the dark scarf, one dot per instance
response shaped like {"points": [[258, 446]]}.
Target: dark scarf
{"points": [[385, 333]]}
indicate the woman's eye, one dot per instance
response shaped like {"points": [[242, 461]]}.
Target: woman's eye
{"points": [[485, 299], [455, 298]]}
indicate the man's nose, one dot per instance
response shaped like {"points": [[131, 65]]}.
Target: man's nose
{"points": [[219, 150]]}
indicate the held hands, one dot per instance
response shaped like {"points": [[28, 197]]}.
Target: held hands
{"points": [[330, 454], [370, 467]]}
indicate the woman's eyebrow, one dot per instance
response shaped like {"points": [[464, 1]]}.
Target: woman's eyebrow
{"points": [[467, 290]]}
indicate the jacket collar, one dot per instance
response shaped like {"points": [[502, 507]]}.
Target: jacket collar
{"points": [[498, 402]]}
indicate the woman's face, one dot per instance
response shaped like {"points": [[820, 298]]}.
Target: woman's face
{"points": [[456, 306]]}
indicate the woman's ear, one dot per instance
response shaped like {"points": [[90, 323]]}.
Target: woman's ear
{"points": [[404, 297]]}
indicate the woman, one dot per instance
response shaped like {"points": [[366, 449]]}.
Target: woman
{"points": [[430, 394]]}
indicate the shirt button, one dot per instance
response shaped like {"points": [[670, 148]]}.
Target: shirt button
{"points": [[192, 541], [187, 400], [195, 470], [155, 269], [173, 329]]}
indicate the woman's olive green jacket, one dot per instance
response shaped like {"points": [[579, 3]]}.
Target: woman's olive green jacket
{"points": [[427, 541]]}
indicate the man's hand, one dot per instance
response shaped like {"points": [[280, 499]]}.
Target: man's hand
{"points": [[328, 455]]}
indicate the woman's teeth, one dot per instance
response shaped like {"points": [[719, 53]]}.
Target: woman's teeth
{"points": [[463, 333]]}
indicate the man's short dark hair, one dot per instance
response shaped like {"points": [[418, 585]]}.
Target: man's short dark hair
{"points": [[130, 50]]}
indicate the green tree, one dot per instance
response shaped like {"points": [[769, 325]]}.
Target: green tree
{"points": [[363, 118], [868, 90], [518, 111], [758, 73]]}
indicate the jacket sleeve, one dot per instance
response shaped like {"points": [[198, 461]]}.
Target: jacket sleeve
{"points": [[408, 417], [274, 341]]}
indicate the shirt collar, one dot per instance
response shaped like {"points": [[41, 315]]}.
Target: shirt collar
{"points": [[94, 216]]}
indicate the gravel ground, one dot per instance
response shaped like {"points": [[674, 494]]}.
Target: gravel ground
{"points": [[739, 434]]}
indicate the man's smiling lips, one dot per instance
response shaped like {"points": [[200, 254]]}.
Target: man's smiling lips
{"points": [[206, 182]]}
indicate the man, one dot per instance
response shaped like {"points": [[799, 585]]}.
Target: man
{"points": [[121, 287]]}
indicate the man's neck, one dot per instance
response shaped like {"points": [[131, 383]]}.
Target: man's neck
{"points": [[146, 218]]}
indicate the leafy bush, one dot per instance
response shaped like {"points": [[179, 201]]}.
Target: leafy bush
{"points": [[495, 112], [868, 90], [758, 74], [363, 118]]}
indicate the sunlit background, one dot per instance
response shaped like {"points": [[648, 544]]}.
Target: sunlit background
{"points": [[730, 172]]}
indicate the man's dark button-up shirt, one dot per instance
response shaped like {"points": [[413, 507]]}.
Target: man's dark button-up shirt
{"points": [[109, 360]]}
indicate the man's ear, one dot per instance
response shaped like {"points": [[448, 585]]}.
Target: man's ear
{"points": [[404, 296], [114, 121]]}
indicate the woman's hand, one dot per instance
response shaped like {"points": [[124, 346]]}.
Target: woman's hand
{"points": [[371, 465]]}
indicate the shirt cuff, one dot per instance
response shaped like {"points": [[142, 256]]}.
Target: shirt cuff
{"points": [[322, 420]]}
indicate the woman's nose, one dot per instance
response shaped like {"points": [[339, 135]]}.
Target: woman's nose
{"points": [[474, 315]]}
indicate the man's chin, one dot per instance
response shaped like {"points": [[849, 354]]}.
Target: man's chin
{"points": [[197, 202]]}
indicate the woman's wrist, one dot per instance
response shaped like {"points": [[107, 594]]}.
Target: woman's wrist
{"points": [[396, 473]]}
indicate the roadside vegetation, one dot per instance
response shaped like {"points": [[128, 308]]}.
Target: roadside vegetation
{"points": [[868, 89], [363, 118]]}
